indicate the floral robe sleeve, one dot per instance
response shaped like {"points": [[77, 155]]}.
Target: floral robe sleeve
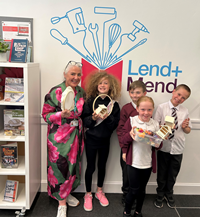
{"points": [[64, 143]]}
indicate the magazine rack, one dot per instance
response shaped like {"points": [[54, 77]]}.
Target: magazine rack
{"points": [[28, 172]]}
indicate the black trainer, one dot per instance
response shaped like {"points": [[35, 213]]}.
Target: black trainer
{"points": [[126, 215], [159, 202], [170, 201], [137, 214]]}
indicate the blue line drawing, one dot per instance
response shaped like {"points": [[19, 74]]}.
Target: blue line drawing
{"points": [[113, 34], [57, 35], [109, 54], [94, 32], [108, 11], [76, 20], [138, 27]]}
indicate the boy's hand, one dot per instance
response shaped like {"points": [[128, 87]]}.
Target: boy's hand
{"points": [[185, 126], [185, 123], [124, 157], [132, 133]]}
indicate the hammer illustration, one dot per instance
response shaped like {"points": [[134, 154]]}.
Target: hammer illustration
{"points": [[138, 27]]}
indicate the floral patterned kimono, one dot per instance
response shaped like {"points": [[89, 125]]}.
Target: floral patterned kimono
{"points": [[64, 142]]}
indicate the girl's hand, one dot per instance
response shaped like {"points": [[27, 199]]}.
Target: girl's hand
{"points": [[132, 133], [95, 116], [124, 157], [65, 114], [105, 116]]}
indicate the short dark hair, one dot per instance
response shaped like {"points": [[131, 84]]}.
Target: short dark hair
{"points": [[184, 86], [137, 84]]}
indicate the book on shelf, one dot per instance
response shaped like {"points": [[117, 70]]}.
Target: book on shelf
{"points": [[10, 193], [9, 155], [14, 122], [18, 50], [14, 90]]}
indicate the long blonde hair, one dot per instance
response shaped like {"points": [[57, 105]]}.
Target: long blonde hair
{"points": [[93, 80]]}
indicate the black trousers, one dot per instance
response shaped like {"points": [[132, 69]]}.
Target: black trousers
{"points": [[138, 179], [125, 182], [168, 168], [91, 153]]}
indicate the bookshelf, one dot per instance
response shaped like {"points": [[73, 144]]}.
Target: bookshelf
{"points": [[28, 172]]}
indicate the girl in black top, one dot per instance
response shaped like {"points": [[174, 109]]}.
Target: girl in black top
{"points": [[99, 130]]}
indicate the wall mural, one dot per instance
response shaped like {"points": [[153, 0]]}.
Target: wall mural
{"points": [[109, 48]]}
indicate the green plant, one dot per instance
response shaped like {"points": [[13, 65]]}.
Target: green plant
{"points": [[3, 46]]}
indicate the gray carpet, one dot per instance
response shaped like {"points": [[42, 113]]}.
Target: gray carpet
{"points": [[44, 206]]}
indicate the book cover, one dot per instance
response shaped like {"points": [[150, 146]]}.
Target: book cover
{"points": [[9, 155], [14, 90], [11, 189], [14, 122], [19, 50]]}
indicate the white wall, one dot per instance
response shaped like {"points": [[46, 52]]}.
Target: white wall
{"points": [[174, 37]]}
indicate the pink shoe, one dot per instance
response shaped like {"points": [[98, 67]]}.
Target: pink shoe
{"points": [[102, 198], [87, 202]]}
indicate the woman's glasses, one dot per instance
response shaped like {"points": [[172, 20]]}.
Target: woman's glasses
{"points": [[73, 63]]}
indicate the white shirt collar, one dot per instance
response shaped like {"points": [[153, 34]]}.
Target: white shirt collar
{"points": [[133, 104], [141, 122], [171, 105]]}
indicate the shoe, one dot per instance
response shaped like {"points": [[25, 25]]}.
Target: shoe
{"points": [[72, 201], [88, 202], [62, 211], [170, 201], [102, 198], [159, 202], [137, 214], [126, 215]]}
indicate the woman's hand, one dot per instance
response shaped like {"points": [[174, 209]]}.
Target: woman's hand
{"points": [[132, 133], [124, 157], [66, 113]]}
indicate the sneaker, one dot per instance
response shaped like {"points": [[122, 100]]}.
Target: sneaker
{"points": [[102, 198], [62, 211], [137, 214], [126, 215], [87, 202], [170, 201], [72, 201], [159, 202]]}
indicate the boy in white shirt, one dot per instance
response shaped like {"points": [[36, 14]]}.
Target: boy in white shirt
{"points": [[169, 157]]}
